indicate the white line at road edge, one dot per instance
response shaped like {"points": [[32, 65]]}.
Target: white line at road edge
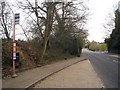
{"points": [[116, 61]]}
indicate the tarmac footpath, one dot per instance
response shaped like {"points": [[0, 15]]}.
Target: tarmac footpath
{"points": [[79, 75]]}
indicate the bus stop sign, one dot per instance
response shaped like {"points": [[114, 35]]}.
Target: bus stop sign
{"points": [[17, 18]]}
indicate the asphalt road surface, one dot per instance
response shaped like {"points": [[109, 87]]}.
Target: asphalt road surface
{"points": [[106, 67]]}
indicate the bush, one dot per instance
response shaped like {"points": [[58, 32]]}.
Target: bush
{"points": [[68, 43], [94, 46], [103, 47], [6, 51]]}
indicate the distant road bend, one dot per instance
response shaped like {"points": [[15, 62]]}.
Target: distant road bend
{"points": [[106, 67]]}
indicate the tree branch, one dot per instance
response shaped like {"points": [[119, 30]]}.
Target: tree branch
{"points": [[42, 9]]}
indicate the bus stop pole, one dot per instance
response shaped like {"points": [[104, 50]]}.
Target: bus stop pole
{"points": [[14, 51]]}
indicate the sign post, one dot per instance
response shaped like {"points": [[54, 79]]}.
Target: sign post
{"points": [[16, 21]]}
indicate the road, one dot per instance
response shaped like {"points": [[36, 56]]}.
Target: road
{"points": [[106, 67]]}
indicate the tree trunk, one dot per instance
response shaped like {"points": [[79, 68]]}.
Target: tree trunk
{"points": [[50, 14]]}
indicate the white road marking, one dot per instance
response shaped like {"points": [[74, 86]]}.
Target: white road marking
{"points": [[116, 61], [114, 56]]}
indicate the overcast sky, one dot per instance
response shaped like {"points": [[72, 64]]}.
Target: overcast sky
{"points": [[99, 11]]}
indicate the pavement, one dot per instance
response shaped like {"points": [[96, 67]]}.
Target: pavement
{"points": [[31, 77], [80, 75], [113, 55], [106, 66]]}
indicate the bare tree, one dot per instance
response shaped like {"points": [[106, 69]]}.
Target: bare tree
{"points": [[72, 18], [47, 16], [48, 10], [109, 25], [6, 19]]}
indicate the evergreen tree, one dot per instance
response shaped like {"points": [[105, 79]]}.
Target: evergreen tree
{"points": [[114, 41]]}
